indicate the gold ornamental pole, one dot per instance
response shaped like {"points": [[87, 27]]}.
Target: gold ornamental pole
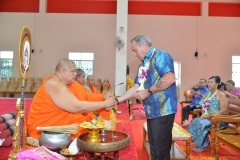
{"points": [[20, 133]]}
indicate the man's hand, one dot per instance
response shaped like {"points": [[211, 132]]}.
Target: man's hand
{"points": [[141, 95], [197, 93], [109, 103]]}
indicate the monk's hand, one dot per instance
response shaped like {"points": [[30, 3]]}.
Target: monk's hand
{"points": [[108, 95], [109, 103]]}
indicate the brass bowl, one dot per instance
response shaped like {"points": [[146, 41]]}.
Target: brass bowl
{"points": [[110, 141], [54, 141]]}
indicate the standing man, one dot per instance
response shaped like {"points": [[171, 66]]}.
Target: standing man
{"points": [[196, 95], [155, 87]]}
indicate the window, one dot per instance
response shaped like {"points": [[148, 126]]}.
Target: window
{"points": [[236, 70], [83, 61], [6, 59]]}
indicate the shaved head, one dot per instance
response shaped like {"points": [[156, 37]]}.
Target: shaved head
{"points": [[64, 63]]}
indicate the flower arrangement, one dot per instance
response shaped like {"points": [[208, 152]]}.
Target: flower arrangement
{"points": [[143, 72], [206, 102], [142, 75], [205, 106]]}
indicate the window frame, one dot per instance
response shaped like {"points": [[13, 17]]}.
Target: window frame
{"points": [[236, 70], [6, 64], [83, 60]]}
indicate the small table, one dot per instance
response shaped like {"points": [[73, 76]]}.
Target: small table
{"points": [[178, 134]]}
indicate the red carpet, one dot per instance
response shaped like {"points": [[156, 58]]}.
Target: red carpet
{"points": [[123, 124], [226, 153], [9, 105], [134, 128]]}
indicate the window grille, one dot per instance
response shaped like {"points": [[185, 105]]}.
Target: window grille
{"points": [[83, 61], [6, 63]]}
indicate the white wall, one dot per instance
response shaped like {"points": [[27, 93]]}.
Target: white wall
{"points": [[54, 35], [218, 40]]}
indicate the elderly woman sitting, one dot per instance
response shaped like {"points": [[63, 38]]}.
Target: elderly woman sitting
{"points": [[213, 103], [231, 91]]}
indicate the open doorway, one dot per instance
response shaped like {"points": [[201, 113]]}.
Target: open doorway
{"points": [[177, 68]]}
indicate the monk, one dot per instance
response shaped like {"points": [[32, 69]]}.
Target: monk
{"points": [[90, 84], [80, 78], [90, 88], [57, 101]]}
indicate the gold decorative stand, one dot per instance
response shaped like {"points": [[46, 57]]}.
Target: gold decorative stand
{"points": [[20, 133]]}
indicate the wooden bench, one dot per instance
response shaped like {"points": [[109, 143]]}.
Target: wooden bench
{"points": [[178, 134], [230, 136]]}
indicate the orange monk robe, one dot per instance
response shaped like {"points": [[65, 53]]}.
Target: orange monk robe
{"points": [[43, 112], [82, 94], [94, 90], [104, 113]]}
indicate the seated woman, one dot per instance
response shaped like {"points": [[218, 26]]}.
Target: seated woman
{"points": [[231, 91], [215, 102]]}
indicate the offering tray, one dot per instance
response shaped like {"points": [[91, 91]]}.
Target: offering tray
{"points": [[65, 152], [110, 141], [69, 156], [89, 125]]}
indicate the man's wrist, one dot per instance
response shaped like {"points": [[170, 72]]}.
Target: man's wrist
{"points": [[116, 101], [150, 91]]}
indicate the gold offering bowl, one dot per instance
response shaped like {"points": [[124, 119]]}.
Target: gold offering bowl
{"points": [[93, 130], [110, 141], [94, 136]]}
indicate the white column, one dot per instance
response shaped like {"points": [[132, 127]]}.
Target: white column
{"points": [[204, 8], [121, 54], [42, 6]]}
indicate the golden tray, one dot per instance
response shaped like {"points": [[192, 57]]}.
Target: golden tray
{"points": [[65, 152], [110, 141], [88, 125]]}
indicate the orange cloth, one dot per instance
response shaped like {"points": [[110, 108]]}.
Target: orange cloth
{"points": [[94, 90], [43, 112], [104, 113]]}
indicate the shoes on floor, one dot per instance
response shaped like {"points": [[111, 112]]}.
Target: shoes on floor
{"points": [[199, 149]]}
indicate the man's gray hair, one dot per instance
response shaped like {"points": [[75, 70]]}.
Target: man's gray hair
{"points": [[139, 39]]}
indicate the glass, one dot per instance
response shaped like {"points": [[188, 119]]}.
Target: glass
{"points": [[83, 60], [6, 68]]}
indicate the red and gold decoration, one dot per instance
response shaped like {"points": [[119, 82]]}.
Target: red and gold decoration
{"points": [[20, 133]]}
